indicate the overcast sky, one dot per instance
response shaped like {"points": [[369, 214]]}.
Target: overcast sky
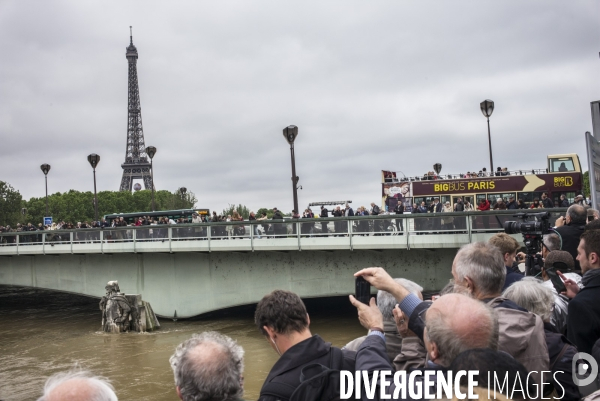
{"points": [[371, 85]]}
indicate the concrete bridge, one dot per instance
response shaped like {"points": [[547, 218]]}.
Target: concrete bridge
{"points": [[187, 270]]}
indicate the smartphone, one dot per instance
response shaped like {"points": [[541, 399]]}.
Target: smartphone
{"points": [[557, 282], [362, 290]]}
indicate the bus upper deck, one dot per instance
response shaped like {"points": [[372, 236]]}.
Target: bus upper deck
{"points": [[562, 176]]}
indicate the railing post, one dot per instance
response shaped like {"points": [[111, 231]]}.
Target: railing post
{"points": [[252, 237], [170, 234], [350, 234], [469, 227], [298, 235], [101, 241], [208, 235], [43, 243], [134, 238], [17, 237], [71, 241], [408, 234]]}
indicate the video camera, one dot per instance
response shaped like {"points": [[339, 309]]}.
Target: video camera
{"points": [[533, 226]]}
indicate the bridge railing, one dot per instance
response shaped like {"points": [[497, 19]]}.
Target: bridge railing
{"points": [[369, 232]]}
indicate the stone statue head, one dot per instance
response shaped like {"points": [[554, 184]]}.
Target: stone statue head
{"points": [[112, 287]]}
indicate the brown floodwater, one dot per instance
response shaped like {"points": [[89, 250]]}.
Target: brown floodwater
{"points": [[44, 332]]}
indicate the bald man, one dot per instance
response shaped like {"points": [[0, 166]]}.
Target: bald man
{"points": [[77, 385], [454, 323], [208, 366]]}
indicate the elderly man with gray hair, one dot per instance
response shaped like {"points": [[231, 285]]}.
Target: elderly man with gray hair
{"points": [[208, 366], [78, 385], [531, 294], [386, 303]]}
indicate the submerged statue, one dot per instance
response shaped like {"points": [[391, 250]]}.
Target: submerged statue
{"points": [[123, 313]]}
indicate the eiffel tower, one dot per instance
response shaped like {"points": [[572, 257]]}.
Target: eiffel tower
{"points": [[136, 164]]}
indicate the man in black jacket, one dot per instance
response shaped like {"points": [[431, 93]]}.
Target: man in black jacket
{"points": [[583, 323], [570, 229], [324, 213], [399, 209], [282, 318], [546, 201]]}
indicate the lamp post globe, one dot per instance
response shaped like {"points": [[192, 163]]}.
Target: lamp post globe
{"points": [[290, 133], [94, 159], [151, 151], [487, 108], [45, 169]]}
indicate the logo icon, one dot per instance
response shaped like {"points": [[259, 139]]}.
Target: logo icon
{"points": [[584, 368]]}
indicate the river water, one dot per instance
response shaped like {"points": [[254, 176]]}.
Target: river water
{"points": [[44, 332]]}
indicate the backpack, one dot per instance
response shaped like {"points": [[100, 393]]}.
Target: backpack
{"points": [[317, 382]]}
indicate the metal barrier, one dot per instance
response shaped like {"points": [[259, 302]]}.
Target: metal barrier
{"points": [[367, 232]]}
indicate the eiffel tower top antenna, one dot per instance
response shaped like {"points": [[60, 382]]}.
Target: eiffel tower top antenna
{"points": [[130, 35]]}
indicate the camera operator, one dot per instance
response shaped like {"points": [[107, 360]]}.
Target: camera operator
{"points": [[550, 242], [570, 229]]}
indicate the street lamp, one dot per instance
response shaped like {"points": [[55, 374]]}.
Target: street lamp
{"points": [[94, 159], [45, 169], [151, 151], [487, 108], [290, 133]]}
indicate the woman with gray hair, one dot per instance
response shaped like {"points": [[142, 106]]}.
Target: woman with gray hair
{"points": [[531, 294]]}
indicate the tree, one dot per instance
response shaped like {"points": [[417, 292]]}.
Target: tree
{"points": [[74, 206], [262, 210], [241, 209], [586, 184], [10, 205]]}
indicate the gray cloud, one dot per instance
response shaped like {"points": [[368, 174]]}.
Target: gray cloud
{"points": [[384, 85]]}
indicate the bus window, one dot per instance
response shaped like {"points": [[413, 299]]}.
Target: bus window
{"points": [[561, 165], [528, 197], [506, 196]]}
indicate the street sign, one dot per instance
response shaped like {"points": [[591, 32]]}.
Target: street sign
{"points": [[593, 153], [48, 221]]}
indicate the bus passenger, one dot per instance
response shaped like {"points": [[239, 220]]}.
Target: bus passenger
{"points": [[484, 206]]}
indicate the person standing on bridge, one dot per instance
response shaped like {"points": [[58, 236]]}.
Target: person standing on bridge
{"points": [[324, 214], [399, 209]]}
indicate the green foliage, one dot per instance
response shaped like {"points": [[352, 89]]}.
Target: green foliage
{"points": [[241, 209], [586, 184], [74, 206], [10, 205], [262, 210]]}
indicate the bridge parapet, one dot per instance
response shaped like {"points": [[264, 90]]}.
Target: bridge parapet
{"points": [[407, 231]]}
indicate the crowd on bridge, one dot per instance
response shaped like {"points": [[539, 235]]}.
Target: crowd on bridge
{"points": [[156, 226], [491, 317]]}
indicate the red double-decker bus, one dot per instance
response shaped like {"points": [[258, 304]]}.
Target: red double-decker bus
{"points": [[562, 176]]}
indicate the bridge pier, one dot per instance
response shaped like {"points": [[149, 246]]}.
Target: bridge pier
{"points": [[193, 283]]}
